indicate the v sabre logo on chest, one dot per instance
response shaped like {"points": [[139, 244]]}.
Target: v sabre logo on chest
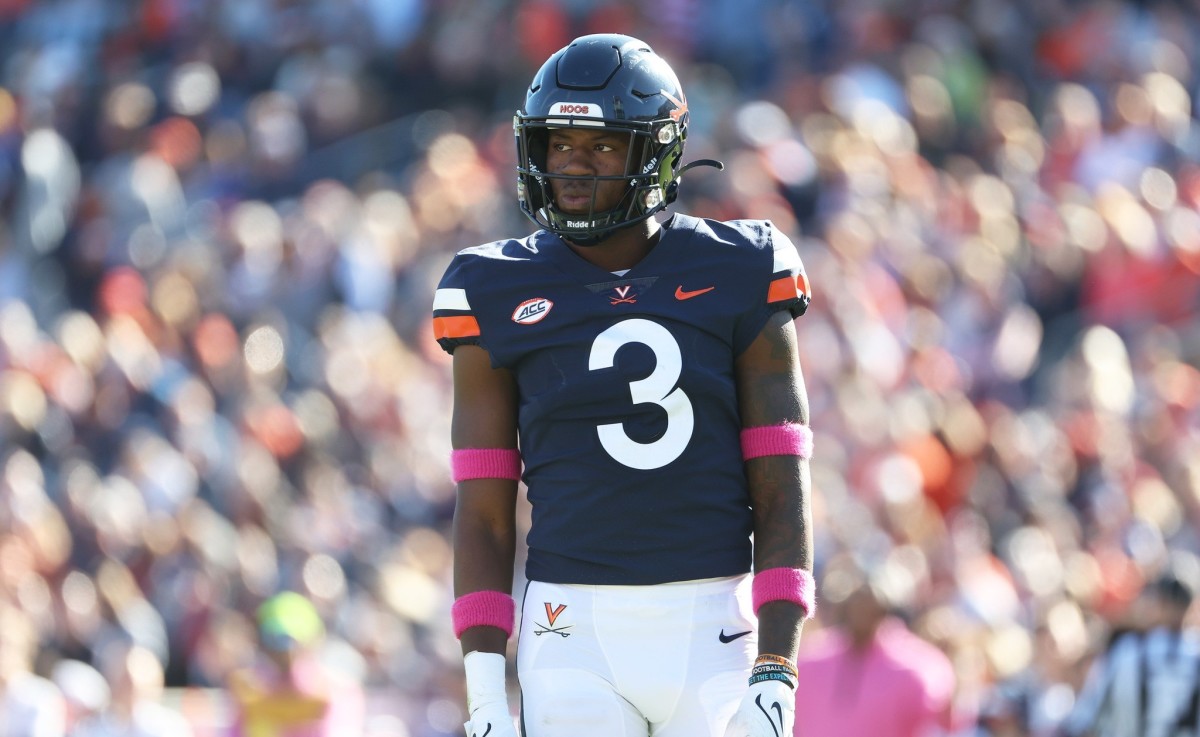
{"points": [[552, 614], [624, 291], [625, 295]]}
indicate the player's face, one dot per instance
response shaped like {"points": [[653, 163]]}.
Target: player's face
{"points": [[587, 153]]}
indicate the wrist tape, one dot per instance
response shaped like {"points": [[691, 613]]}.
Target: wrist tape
{"points": [[787, 439], [483, 608], [485, 463], [785, 584], [485, 674]]}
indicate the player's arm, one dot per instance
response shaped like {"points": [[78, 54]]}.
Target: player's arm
{"points": [[484, 539], [771, 394]]}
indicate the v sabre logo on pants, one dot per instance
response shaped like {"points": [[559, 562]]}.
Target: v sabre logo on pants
{"points": [[552, 614]]}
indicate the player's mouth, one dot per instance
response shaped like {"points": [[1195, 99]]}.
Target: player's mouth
{"points": [[574, 200]]}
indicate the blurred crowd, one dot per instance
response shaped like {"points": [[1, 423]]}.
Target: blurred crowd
{"points": [[221, 223]]}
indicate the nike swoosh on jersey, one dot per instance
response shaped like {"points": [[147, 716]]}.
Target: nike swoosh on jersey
{"points": [[681, 294], [730, 638]]}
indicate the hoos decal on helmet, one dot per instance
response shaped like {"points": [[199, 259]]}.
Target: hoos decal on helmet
{"points": [[618, 84]]}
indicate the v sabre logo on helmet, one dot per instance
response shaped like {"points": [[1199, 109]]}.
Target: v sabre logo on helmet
{"points": [[681, 106]]}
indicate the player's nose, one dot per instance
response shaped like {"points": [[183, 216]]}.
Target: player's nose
{"points": [[578, 161]]}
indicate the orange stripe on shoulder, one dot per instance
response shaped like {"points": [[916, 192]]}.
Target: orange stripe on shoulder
{"points": [[462, 326], [783, 288]]}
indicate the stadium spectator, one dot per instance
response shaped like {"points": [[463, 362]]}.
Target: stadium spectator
{"points": [[1035, 695], [866, 672], [84, 689], [30, 705], [136, 709], [290, 690]]}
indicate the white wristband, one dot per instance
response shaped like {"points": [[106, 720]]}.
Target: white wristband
{"points": [[485, 679]]}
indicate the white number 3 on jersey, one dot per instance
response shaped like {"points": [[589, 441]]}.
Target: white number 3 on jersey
{"points": [[657, 388]]}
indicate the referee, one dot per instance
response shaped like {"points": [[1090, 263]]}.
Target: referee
{"points": [[1147, 684]]}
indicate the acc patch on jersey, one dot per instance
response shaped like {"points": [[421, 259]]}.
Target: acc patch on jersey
{"points": [[531, 311]]}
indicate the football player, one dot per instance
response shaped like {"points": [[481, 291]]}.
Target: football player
{"points": [[640, 374]]}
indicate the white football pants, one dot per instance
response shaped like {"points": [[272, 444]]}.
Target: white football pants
{"points": [[669, 660]]}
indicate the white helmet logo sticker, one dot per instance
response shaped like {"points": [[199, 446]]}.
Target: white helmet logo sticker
{"points": [[568, 114], [584, 109]]}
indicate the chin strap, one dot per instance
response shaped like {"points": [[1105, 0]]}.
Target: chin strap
{"points": [[673, 188]]}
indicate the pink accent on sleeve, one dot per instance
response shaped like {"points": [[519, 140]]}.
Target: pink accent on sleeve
{"points": [[485, 463], [479, 608], [785, 584], [788, 439]]}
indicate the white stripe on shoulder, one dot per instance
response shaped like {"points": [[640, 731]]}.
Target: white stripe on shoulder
{"points": [[451, 299], [786, 256]]}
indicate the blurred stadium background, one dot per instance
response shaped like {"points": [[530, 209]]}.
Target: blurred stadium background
{"points": [[221, 222]]}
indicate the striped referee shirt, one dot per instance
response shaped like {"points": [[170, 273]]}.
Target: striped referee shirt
{"points": [[1146, 685]]}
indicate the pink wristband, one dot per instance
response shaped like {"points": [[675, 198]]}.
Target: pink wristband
{"points": [[787, 439], [485, 463], [483, 608], [785, 584]]}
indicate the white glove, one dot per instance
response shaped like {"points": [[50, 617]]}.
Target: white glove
{"points": [[767, 710], [487, 696]]}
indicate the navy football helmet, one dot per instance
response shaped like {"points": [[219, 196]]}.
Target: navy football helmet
{"points": [[614, 82]]}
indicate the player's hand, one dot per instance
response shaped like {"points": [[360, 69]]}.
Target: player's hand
{"points": [[491, 719], [487, 697], [767, 710]]}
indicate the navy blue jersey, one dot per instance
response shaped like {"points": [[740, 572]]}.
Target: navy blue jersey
{"points": [[628, 416]]}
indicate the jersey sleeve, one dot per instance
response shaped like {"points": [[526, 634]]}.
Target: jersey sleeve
{"points": [[454, 322], [789, 289], [784, 287]]}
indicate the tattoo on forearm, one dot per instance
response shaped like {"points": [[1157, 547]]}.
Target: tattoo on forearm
{"points": [[781, 521]]}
